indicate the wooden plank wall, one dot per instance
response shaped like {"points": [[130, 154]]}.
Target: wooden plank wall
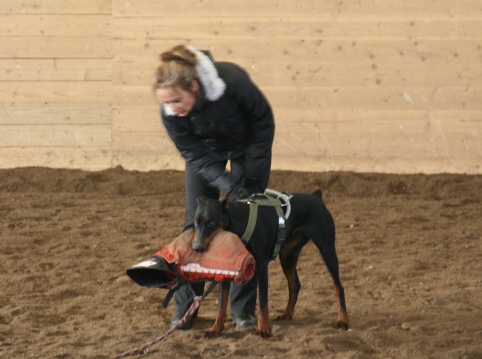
{"points": [[56, 83], [373, 86]]}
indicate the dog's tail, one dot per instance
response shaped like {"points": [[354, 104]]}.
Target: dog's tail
{"points": [[318, 194]]}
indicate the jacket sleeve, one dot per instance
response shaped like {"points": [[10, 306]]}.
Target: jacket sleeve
{"points": [[255, 106], [196, 154]]}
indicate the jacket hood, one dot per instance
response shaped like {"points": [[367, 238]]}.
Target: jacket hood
{"points": [[213, 85]]}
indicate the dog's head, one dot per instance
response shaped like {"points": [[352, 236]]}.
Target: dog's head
{"points": [[210, 218]]}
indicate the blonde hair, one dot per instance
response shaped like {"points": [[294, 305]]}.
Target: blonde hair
{"points": [[178, 68]]}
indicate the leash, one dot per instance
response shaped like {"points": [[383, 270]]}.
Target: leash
{"points": [[190, 312]]}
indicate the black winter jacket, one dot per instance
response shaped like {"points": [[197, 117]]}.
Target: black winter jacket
{"points": [[238, 123]]}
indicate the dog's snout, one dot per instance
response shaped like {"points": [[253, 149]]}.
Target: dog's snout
{"points": [[198, 245], [198, 248]]}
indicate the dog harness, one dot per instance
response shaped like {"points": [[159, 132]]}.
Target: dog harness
{"points": [[269, 198]]}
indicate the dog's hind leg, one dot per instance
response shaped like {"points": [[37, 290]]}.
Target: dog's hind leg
{"points": [[325, 241], [328, 253], [331, 261], [289, 255], [342, 321]]}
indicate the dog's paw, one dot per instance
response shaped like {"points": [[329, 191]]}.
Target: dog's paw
{"points": [[284, 316], [342, 325], [264, 333], [212, 333]]}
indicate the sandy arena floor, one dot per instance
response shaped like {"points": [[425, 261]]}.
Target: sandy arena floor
{"points": [[410, 251]]}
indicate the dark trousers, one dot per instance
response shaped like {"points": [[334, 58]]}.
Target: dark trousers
{"points": [[242, 297]]}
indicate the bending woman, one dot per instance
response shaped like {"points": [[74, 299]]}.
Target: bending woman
{"points": [[215, 114]]}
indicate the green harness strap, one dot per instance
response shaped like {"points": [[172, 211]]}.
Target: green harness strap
{"points": [[264, 200], [253, 214]]}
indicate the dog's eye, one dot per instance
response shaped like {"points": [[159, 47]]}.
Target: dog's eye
{"points": [[211, 223]]}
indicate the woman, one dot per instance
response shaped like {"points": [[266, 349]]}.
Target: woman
{"points": [[214, 114]]}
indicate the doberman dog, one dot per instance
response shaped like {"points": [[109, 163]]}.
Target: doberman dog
{"points": [[309, 219]]}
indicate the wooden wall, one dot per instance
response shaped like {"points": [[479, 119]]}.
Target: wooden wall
{"points": [[367, 86]]}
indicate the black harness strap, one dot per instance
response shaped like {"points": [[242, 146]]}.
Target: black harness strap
{"points": [[171, 292]]}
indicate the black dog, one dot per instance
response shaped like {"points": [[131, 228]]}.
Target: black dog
{"points": [[309, 219]]}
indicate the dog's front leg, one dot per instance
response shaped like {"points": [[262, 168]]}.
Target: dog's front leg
{"points": [[263, 329], [218, 326]]}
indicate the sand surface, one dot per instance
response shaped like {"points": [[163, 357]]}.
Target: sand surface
{"points": [[410, 251]]}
